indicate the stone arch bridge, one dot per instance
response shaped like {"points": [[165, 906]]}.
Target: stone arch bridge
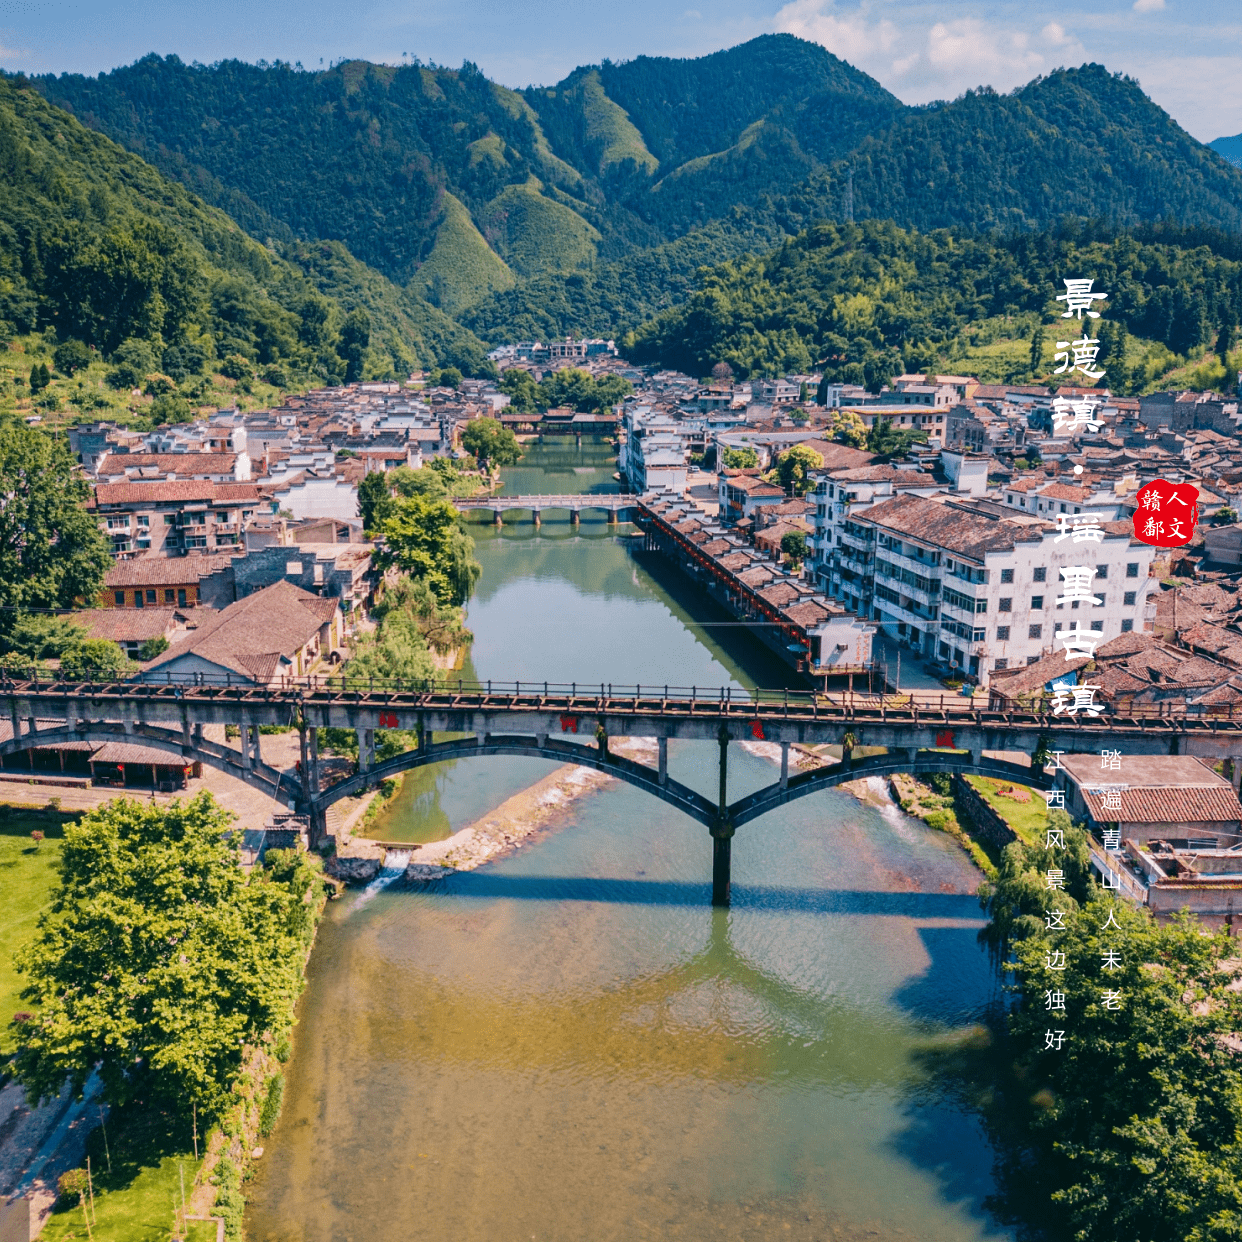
{"points": [[573, 724]]}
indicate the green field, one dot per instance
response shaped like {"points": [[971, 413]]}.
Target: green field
{"points": [[27, 875], [137, 1178]]}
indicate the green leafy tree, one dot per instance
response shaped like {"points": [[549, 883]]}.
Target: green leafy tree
{"points": [[449, 377], [236, 367], [441, 625], [71, 356], [153, 647], [159, 961], [374, 500], [132, 361], [493, 445], [40, 377], [1037, 351], [52, 554], [849, 428], [885, 439], [739, 459], [794, 467], [44, 636], [396, 651], [170, 409], [355, 338], [426, 540], [525, 396], [95, 658], [793, 545], [424, 482]]}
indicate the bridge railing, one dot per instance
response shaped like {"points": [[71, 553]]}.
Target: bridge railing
{"points": [[644, 697]]}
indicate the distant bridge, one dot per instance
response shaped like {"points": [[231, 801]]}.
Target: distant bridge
{"points": [[612, 503], [554, 722]]}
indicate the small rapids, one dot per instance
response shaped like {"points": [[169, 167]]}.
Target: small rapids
{"points": [[395, 863]]}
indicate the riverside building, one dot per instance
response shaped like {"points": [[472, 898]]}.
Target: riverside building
{"points": [[978, 591]]}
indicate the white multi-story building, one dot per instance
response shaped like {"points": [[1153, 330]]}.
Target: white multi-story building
{"points": [[654, 453], [982, 592], [843, 492]]}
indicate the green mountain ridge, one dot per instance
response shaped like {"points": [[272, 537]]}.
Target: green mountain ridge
{"points": [[590, 205]]}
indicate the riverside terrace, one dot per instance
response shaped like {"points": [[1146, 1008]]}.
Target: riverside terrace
{"points": [[538, 719]]}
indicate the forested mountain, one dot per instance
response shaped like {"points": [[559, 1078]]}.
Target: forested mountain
{"points": [[512, 209], [869, 301], [97, 245]]}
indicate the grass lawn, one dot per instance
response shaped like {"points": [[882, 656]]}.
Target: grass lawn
{"points": [[27, 876], [1027, 819], [134, 1203]]}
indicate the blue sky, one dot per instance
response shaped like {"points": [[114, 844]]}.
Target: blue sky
{"points": [[1186, 53]]}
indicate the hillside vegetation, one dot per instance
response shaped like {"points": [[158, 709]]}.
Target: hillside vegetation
{"points": [[523, 212], [872, 300]]}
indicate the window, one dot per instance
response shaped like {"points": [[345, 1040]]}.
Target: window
{"points": [[119, 596], [1129, 597], [150, 597], [1006, 575], [170, 519], [1040, 574], [1032, 659], [170, 596], [1098, 626], [137, 599], [1037, 602], [1056, 629], [1001, 664], [1006, 604], [1036, 631], [978, 636], [1002, 633], [944, 651], [974, 664], [1127, 625], [1101, 571], [181, 597], [1132, 569]]}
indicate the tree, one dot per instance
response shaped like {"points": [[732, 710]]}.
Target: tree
{"points": [[849, 428], [800, 416], [236, 367], [96, 658], [396, 651], [132, 361], [44, 636], [152, 647], [794, 466], [71, 356], [1224, 342], [492, 444], [40, 377], [449, 377], [52, 554], [1224, 516], [441, 625], [793, 545], [426, 539], [885, 439], [722, 373], [424, 482], [159, 961], [525, 396], [1037, 351], [354, 340], [739, 459], [374, 500]]}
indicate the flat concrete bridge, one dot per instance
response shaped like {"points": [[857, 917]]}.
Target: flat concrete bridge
{"points": [[573, 723], [612, 503]]}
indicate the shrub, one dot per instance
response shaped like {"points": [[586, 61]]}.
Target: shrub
{"points": [[235, 367], [271, 1104], [158, 384], [132, 361], [275, 375], [71, 1186], [71, 356]]}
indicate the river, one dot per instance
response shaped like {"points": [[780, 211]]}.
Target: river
{"points": [[570, 1044]]}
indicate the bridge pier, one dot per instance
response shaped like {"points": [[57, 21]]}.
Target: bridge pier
{"points": [[662, 747], [722, 831], [366, 749], [314, 760], [784, 765], [575, 517], [497, 515], [612, 517], [536, 515]]}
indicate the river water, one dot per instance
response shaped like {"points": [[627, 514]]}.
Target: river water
{"points": [[570, 1044]]}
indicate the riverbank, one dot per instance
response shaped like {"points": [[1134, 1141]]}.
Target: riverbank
{"points": [[539, 807]]}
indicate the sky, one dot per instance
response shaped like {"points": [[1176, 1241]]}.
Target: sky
{"points": [[1185, 53]]}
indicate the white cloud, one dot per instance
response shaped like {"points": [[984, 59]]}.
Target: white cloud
{"points": [[851, 36], [1148, 6]]}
